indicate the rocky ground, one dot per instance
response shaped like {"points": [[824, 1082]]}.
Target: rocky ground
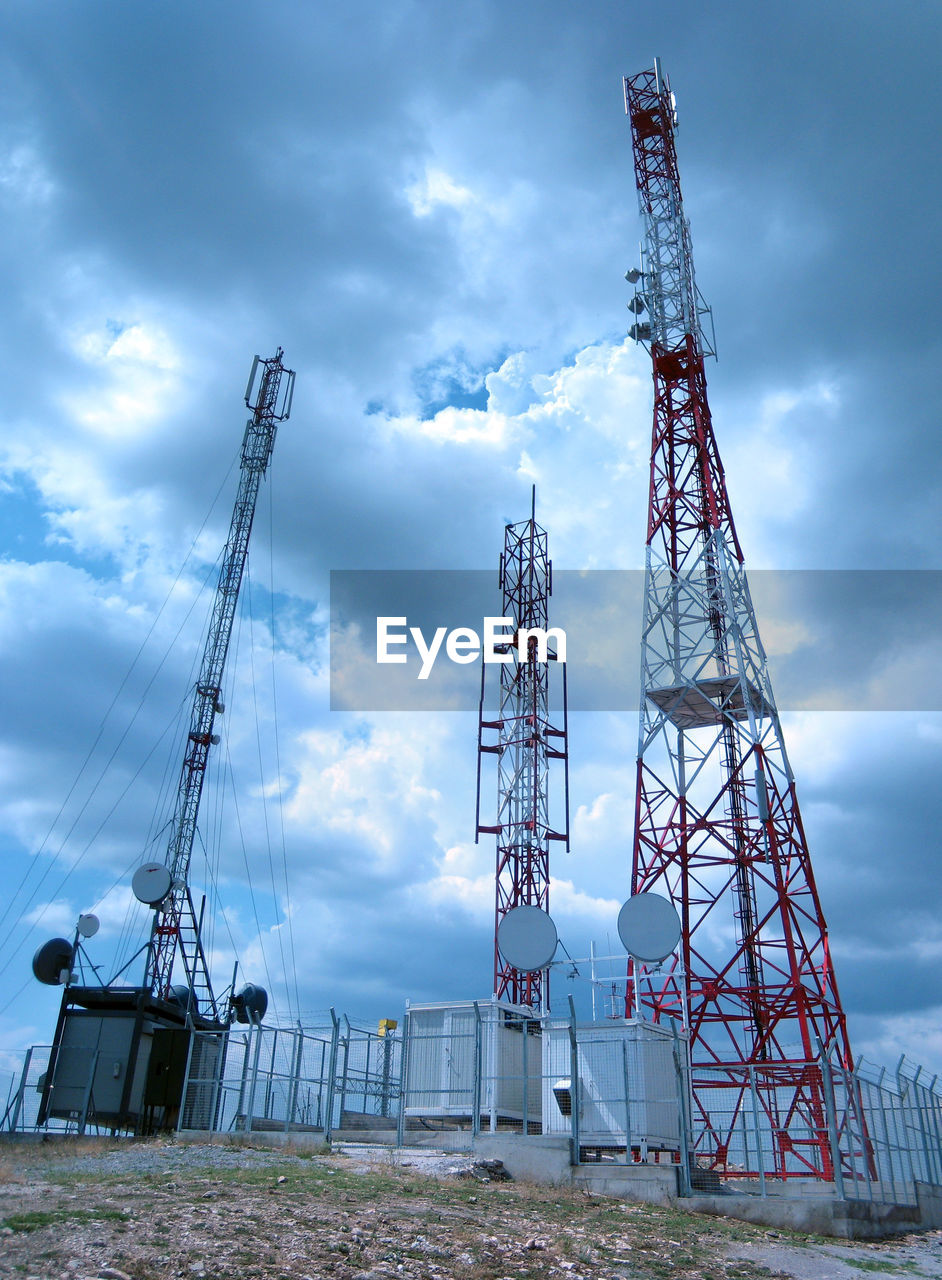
{"points": [[157, 1210]]}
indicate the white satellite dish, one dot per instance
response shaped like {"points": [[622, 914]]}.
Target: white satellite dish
{"points": [[649, 927], [151, 883], [526, 938], [88, 925]]}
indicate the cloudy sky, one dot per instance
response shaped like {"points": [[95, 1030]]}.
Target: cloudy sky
{"points": [[431, 207]]}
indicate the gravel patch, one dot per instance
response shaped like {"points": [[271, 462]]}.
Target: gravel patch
{"points": [[904, 1259], [430, 1164], [158, 1157]]}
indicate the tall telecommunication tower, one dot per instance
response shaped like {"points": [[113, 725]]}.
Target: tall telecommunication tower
{"points": [[526, 745], [120, 1053], [717, 824], [176, 928]]}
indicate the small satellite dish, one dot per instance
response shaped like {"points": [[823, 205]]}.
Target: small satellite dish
{"points": [[88, 925], [649, 927], [180, 994], [250, 1004], [151, 883], [52, 960], [526, 938]]}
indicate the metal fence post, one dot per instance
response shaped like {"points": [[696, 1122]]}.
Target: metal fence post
{"points": [[269, 1112], [295, 1081], [321, 1083], [574, 1091], [331, 1076], [905, 1145], [219, 1070], [12, 1091], [186, 1084], [932, 1113], [627, 1074], [476, 1083], [403, 1081], [923, 1132], [366, 1069], [884, 1147], [250, 1107], [833, 1139], [760, 1153], [387, 1071], [860, 1159], [345, 1040], [686, 1187], [246, 1045], [912, 1117], [21, 1091], [881, 1145], [525, 1026], [87, 1100]]}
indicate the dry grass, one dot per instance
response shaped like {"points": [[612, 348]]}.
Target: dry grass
{"points": [[18, 1156], [285, 1218], [277, 1217]]}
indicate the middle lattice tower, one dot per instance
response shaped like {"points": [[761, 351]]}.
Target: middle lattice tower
{"points": [[526, 745]]}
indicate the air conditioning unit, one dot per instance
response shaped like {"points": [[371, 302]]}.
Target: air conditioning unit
{"points": [[627, 1085]]}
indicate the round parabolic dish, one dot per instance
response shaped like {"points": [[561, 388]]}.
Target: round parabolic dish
{"points": [[649, 927], [88, 925], [526, 938], [251, 1003], [151, 883], [52, 958]]}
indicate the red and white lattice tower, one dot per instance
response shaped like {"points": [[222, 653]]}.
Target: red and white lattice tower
{"points": [[717, 826], [526, 745]]}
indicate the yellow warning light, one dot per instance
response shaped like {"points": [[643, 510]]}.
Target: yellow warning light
{"points": [[386, 1025]]}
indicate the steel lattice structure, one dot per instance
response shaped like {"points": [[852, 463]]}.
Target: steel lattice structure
{"points": [[717, 824], [526, 745], [176, 928]]}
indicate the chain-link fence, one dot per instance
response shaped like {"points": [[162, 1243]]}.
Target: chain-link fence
{"points": [[922, 1119], [617, 1091], [755, 1123], [24, 1084], [472, 1066], [629, 1085], [292, 1080], [367, 1078], [870, 1134], [625, 1092], [25, 1089], [895, 1141]]}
